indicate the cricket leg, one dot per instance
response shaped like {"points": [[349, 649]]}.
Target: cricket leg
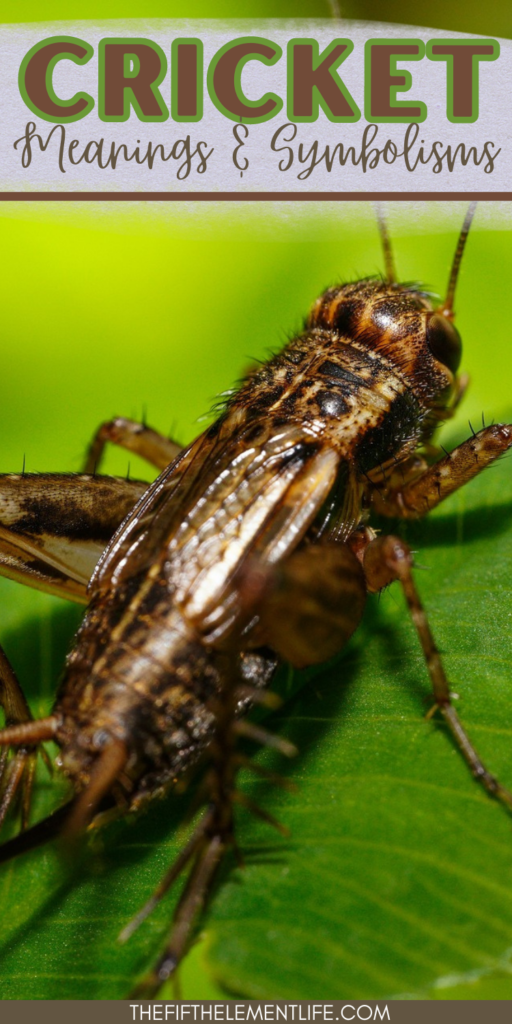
{"points": [[136, 438], [206, 850], [16, 773], [314, 604], [55, 526], [387, 559], [419, 496], [53, 529]]}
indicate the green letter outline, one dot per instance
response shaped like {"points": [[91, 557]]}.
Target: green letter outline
{"points": [[49, 76]]}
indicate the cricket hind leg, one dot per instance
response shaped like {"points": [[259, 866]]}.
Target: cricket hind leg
{"points": [[54, 527], [135, 437], [21, 738], [314, 604], [387, 559]]}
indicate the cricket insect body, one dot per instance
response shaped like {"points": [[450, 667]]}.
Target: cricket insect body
{"points": [[253, 545]]}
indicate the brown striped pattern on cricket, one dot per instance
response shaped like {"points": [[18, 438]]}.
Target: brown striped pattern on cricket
{"points": [[254, 545]]}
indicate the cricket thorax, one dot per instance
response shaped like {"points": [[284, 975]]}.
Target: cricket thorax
{"points": [[345, 384]]}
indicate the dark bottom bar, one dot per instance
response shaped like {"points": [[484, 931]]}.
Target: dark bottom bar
{"points": [[406, 1011], [249, 197]]}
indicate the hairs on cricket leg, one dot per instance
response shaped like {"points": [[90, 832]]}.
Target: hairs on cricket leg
{"points": [[17, 774]]}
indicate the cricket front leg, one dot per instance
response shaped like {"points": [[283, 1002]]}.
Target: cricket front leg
{"points": [[134, 437], [417, 497], [387, 559]]}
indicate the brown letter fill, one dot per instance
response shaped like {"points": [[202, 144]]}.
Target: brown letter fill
{"points": [[306, 77], [462, 72], [186, 79]]}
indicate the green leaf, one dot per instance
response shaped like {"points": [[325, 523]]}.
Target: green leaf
{"points": [[396, 879]]}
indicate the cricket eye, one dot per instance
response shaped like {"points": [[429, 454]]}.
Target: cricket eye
{"points": [[444, 341]]}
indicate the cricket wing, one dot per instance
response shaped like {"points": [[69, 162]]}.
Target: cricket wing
{"points": [[140, 537], [54, 527], [342, 513], [252, 505], [232, 497]]}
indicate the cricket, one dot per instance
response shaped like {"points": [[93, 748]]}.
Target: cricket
{"points": [[254, 546]]}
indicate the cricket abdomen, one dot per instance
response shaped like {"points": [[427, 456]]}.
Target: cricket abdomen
{"points": [[149, 687]]}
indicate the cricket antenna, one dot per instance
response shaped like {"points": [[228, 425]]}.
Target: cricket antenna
{"points": [[447, 306], [386, 244]]}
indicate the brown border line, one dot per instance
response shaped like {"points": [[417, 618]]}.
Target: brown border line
{"points": [[239, 197]]}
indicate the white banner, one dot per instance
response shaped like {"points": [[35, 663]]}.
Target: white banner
{"points": [[251, 108]]}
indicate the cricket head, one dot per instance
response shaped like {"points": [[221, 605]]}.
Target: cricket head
{"points": [[401, 323]]}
